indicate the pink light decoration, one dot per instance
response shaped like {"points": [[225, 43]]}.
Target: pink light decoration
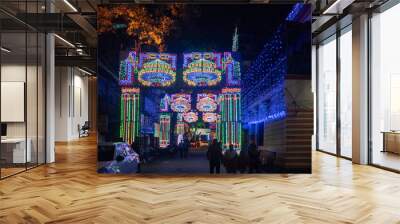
{"points": [[230, 90], [206, 102], [180, 102], [209, 117], [190, 117]]}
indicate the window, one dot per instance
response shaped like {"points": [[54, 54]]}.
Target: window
{"points": [[385, 89], [327, 96], [346, 93]]}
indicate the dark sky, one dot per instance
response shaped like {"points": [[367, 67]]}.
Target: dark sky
{"points": [[207, 28], [210, 28]]}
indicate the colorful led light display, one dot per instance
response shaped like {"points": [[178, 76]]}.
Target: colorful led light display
{"points": [[157, 70], [180, 128], [130, 119], [206, 102], [231, 68], [156, 130], [164, 103], [202, 69], [127, 70], [180, 102], [190, 117], [230, 126], [209, 117], [179, 116], [165, 128]]}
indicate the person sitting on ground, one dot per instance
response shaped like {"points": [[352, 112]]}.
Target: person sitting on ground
{"points": [[230, 160], [214, 156]]}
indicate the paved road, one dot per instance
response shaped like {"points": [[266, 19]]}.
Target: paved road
{"points": [[195, 163]]}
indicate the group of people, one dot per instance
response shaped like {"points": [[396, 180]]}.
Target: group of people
{"points": [[247, 160]]}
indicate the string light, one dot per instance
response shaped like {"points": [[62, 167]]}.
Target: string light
{"points": [[202, 69], [165, 128], [180, 128], [209, 117], [263, 90], [229, 122], [127, 69], [190, 117], [231, 68], [164, 103], [206, 102], [180, 102], [130, 111], [157, 70]]}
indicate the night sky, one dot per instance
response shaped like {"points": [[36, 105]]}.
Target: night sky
{"points": [[210, 28], [207, 28]]}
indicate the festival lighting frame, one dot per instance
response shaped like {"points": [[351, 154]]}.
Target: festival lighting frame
{"points": [[130, 114], [202, 68], [157, 69]]}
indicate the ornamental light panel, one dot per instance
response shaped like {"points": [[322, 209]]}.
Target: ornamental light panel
{"points": [[164, 102], [127, 69], [130, 114], [209, 117], [202, 69], [206, 102], [230, 125], [231, 68], [165, 128], [190, 117], [180, 102], [157, 69]]}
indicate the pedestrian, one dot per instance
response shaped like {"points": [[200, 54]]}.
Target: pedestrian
{"points": [[186, 147], [230, 160], [214, 156], [254, 157], [243, 160], [181, 148]]}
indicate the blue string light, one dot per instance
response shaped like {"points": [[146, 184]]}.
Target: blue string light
{"points": [[264, 83]]}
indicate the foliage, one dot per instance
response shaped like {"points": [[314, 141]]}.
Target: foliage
{"points": [[146, 25]]}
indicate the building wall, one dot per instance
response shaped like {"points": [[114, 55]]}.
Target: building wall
{"points": [[289, 140], [33, 127], [71, 102]]}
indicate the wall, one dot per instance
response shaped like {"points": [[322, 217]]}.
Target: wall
{"points": [[71, 102], [33, 127], [300, 92], [290, 139]]}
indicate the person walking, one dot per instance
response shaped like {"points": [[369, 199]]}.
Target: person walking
{"points": [[254, 157], [243, 160], [186, 147], [230, 160], [214, 156], [181, 148]]}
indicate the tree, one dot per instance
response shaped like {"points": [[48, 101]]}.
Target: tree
{"points": [[148, 26]]}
